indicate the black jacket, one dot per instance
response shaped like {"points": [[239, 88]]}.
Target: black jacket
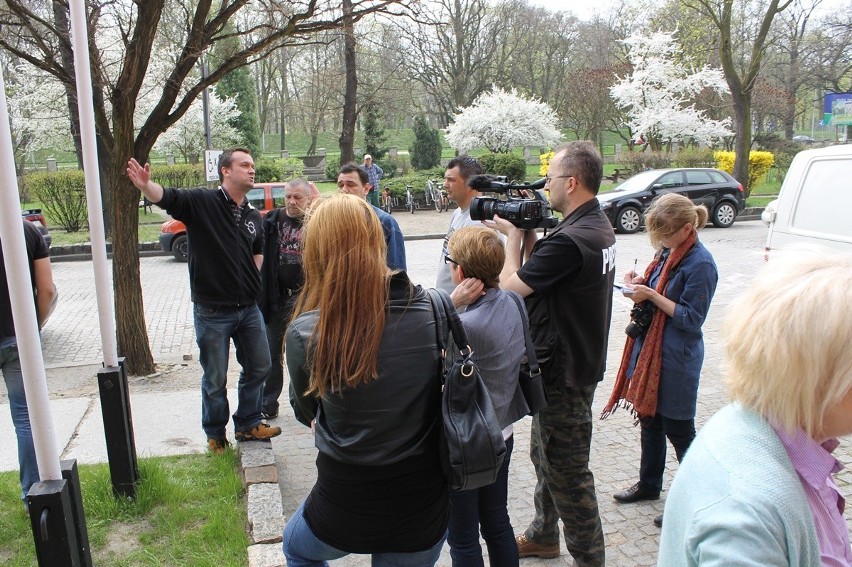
{"points": [[393, 417], [270, 301]]}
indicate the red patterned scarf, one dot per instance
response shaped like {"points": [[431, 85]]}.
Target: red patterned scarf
{"points": [[640, 391]]}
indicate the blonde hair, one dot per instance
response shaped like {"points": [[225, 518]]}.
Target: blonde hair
{"points": [[669, 213], [480, 252], [787, 339], [347, 281]]}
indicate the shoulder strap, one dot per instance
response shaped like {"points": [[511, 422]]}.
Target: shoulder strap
{"points": [[448, 310], [531, 357]]}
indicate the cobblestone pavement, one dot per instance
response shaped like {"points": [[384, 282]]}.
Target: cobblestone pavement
{"points": [[71, 338]]}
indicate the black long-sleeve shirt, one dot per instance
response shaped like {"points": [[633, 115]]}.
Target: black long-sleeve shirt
{"points": [[223, 239]]}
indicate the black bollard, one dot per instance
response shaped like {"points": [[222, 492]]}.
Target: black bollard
{"points": [[118, 430], [52, 522], [72, 475]]}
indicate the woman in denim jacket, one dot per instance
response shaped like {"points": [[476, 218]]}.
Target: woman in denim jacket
{"points": [[661, 364]]}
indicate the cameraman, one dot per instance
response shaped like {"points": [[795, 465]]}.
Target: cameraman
{"points": [[567, 282], [664, 351]]}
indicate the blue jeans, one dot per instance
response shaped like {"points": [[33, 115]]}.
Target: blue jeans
{"points": [[486, 506], [215, 326], [303, 549], [10, 364]]}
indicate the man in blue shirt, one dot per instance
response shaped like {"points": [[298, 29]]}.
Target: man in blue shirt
{"points": [[354, 180], [374, 174]]}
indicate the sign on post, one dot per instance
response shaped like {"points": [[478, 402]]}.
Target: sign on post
{"points": [[211, 163]]}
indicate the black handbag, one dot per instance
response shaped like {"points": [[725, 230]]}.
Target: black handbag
{"points": [[472, 447], [529, 378]]}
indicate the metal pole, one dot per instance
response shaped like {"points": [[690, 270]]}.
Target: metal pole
{"points": [[23, 306], [205, 102], [103, 286]]}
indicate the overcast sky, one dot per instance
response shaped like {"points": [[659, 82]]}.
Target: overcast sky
{"points": [[585, 9]]}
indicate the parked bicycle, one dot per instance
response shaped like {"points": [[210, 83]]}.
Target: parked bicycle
{"points": [[410, 203], [387, 202], [437, 195]]}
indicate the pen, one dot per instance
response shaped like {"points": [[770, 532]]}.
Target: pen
{"points": [[635, 265]]}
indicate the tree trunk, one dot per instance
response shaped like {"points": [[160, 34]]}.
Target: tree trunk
{"points": [[742, 143], [131, 329], [350, 97]]}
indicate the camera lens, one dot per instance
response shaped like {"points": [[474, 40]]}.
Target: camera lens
{"points": [[483, 208]]}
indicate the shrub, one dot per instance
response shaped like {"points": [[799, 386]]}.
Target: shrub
{"points": [[759, 163], [640, 161], [545, 162], [63, 195], [374, 132], [331, 169], [389, 168], [180, 175], [695, 157], [417, 180], [426, 150], [278, 169], [512, 166]]}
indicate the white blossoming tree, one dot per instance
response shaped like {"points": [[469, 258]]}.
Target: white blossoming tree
{"points": [[659, 96], [500, 120], [186, 136]]}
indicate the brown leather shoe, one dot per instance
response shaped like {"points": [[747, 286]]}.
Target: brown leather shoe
{"points": [[527, 548], [259, 432]]}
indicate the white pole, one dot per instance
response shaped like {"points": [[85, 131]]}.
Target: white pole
{"points": [[23, 306], [103, 286]]}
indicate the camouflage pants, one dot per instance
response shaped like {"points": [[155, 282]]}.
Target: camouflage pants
{"points": [[565, 489]]}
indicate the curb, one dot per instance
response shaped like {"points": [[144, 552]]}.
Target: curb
{"points": [[263, 503]]}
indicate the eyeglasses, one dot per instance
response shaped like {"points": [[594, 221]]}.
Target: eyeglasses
{"points": [[447, 260], [549, 178]]}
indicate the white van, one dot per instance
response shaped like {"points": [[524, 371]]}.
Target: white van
{"points": [[815, 203]]}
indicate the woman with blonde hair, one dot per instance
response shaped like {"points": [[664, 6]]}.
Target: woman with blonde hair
{"points": [[664, 351], [365, 373], [756, 487]]}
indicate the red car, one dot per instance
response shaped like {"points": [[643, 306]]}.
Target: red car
{"points": [[264, 197], [35, 217]]}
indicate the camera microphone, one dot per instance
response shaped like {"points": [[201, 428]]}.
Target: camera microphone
{"points": [[485, 182]]}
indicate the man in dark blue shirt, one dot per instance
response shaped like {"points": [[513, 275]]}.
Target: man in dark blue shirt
{"points": [[354, 180]]}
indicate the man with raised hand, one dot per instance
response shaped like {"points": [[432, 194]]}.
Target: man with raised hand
{"points": [[226, 252]]}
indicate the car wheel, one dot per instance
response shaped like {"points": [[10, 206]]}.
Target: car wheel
{"points": [[629, 220], [180, 248], [724, 215]]}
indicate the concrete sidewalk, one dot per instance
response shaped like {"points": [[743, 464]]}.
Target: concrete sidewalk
{"points": [[170, 402]]}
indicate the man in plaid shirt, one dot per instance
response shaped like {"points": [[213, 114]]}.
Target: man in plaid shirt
{"points": [[374, 172]]}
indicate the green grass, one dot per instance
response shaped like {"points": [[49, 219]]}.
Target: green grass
{"points": [[149, 227], [189, 510]]}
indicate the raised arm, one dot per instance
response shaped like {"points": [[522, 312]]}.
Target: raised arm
{"points": [[141, 177]]}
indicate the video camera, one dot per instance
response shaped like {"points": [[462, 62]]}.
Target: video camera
{"points": [[523, 212]]}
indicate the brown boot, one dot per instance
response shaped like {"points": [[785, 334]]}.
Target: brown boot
{"points": [[259, 432], [527, 548], [217, 446]]}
